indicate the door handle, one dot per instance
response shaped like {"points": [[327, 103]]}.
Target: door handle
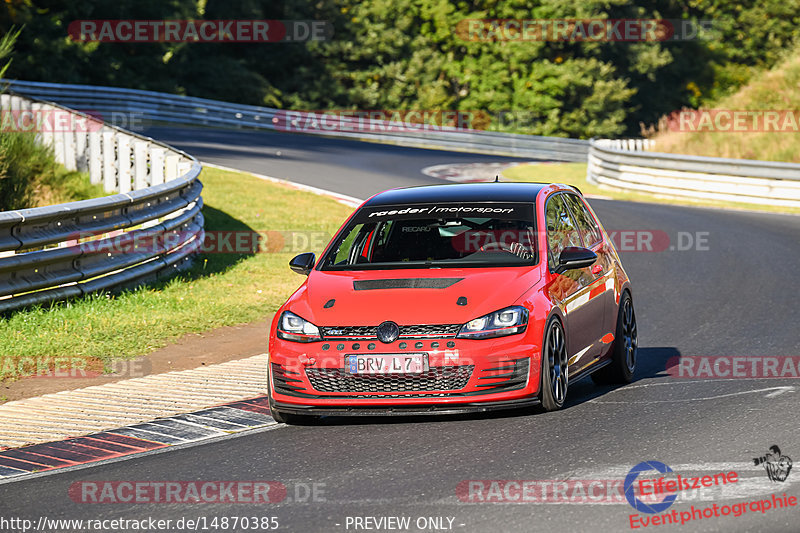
{"points": [[597, 269]]}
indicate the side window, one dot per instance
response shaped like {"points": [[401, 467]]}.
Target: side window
{"points": [[589, 231], [561, 230], [352, 245]]}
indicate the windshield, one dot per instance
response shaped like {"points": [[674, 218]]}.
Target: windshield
{"points": [[437, 236]]}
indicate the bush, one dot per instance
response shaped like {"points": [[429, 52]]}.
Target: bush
{"points": [[24, 167]]}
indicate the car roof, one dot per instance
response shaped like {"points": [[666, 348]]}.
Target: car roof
{"points": [[462, 192]]}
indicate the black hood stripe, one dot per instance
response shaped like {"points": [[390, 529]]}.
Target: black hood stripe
{"points": [[405, 283]]}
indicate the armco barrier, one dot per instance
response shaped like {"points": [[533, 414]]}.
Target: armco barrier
{"points": [[626, 164], [61, 251], [173, 109]]}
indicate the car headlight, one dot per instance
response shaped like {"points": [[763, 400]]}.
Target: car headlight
{"points": [[293, 328], [506, 321]]}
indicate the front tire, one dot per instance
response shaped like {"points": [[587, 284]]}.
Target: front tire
{"points": [[291, 419], [625, 350], [555, 370]]}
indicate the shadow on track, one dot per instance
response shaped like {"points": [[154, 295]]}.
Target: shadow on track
{"points": [[651, 364]]}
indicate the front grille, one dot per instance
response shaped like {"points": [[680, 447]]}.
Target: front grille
{"points": [[406, 332], [442, 378]]}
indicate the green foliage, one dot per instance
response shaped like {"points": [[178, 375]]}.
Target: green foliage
{"points": [[6, 48], [409, 54], [23, 163], [30, 176]]}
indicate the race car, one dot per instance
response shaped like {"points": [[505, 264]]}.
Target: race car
{"points": [[454, 298]]}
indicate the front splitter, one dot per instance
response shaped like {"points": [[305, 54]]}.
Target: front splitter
{"points": [[434, 409]]}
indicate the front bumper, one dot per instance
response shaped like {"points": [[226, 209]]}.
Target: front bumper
{"points": [[415, 410], [464, 375]]}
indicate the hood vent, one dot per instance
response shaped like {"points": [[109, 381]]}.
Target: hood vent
{"points": [[405, 283]]}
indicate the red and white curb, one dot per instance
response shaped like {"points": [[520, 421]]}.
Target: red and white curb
{"points": [[79, 412], [206, 424]]}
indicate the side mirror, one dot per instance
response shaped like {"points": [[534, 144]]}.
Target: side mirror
{"points": [[573, 257], [303, 263]]}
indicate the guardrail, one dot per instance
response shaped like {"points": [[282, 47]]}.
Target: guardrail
{"points": [[627, 164], [173, 109], [149, 229]]}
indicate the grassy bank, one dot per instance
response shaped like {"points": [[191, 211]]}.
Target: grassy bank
{"points": [[774, 90], [221, 289], [575, 174]]}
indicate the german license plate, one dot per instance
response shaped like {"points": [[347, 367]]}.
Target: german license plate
{"points": [[405, 363]]}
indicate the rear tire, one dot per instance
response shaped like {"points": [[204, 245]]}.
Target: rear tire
{"points": [[555, 371], [625, 349]]}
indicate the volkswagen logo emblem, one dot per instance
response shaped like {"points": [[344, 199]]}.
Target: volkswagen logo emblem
{"points": [[388, 332]]}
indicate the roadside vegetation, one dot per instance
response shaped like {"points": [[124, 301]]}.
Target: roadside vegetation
{"points": [[426, 55], [221, 289], [575, 174], [775, 90], [29, 174]]}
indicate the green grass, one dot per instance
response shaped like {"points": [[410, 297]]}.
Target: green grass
{"points": [[575, 174], [67, 186], [776, 89], [220, 290]]}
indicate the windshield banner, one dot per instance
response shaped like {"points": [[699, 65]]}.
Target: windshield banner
{"points": [[504, 211]]}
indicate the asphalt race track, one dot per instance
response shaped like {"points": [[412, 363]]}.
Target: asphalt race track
{"points": [[734, 295]]}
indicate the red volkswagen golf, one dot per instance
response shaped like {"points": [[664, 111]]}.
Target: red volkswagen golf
{"points": [[453, 298]]}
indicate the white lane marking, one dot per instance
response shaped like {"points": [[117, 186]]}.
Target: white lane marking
{"points": [[781, 389], [779, 392], [680, 382], [622, 470]]}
